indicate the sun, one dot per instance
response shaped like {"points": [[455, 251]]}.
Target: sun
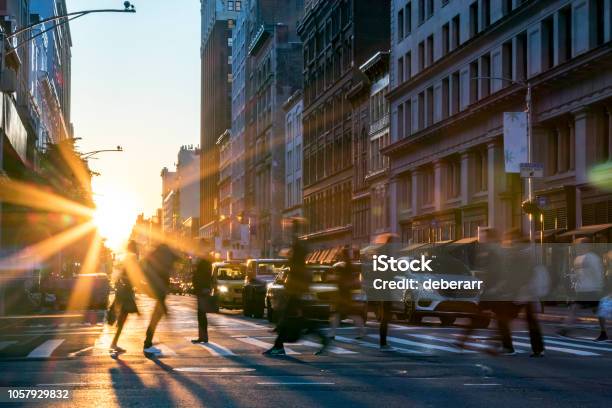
{"points": [[114, 217]]}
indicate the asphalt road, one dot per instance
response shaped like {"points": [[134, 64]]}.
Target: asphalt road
{"points": [[425, 369]]}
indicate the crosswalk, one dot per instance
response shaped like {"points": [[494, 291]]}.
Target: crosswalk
{"points": [[227, 343]]}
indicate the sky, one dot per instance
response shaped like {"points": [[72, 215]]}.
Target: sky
{"points": [[135, 83]]}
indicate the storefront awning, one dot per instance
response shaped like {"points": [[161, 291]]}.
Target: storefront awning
{"points": [[466, 241], [587, 230]]}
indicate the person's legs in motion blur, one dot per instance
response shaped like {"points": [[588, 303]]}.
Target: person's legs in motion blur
{"points": [[603, 335], [120, 323], [202, 321], [385, 316], [158, 313], [535, 332]]}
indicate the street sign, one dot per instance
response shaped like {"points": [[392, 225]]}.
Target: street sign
{"points": [[532, 170]]}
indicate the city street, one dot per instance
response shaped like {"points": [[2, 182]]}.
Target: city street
{"points": [[425, 369]]}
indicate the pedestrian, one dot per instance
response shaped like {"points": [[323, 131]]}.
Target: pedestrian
{"points": [[203, 287], [158, 267], [344, 305], [528, 282], [588, 272], [293, 322], [383, 328], [125, 300]]}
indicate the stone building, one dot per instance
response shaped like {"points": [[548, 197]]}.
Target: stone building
{"points": [[338, 36], [456, 67]]}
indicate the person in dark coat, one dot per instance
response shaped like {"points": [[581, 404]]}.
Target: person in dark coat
{"points": [[203, 286], [344, 305], [292, 322], [125, 300], [158, 267]]}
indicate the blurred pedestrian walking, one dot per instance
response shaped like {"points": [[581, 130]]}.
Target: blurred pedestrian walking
{"points": [[204, 288], [125, 300], [293, 322], [158, 268], [348, 281], [588, 276]]}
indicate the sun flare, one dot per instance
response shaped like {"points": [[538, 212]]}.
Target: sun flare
{"points": [[114, 217]]}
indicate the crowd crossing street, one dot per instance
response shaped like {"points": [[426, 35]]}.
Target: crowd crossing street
{"points": [[423, 367]]}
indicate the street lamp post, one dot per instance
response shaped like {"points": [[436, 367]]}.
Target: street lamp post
{"points": [[529, 111], [61, 20]]}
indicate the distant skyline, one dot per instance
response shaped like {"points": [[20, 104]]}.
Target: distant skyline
{"points": [[135, 83]]}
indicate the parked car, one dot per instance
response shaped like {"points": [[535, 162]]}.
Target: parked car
{"points": [[446, 304], [259, 273], [229, 278], [318, 301]]}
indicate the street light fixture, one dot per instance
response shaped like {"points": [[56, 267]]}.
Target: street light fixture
{"points": [[63, 19], [529, 111], [88, 155]]}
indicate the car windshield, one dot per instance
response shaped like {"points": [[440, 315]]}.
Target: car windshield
{"points": [[269, 269], [320, 275], [230, 273]]}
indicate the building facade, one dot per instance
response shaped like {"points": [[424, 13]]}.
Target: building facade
{"points": [[218, 22], [456, 67], [338, 36], [293, 162], [370, 196], [276, 62]]}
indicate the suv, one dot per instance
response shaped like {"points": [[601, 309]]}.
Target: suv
{"points": [[229, 280], [259, 274], [446, 304]]}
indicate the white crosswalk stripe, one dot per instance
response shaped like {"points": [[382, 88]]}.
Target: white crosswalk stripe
{"points": [[451, 341], [373, 346], [166, 351], [422, 345], [548, 340], [561, 349], [216, 349], [331, 349], [262, 344], [45, 349]]}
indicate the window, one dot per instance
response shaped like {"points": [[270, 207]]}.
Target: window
{"points": [[408, 18], [480, 170], [421, 11], [230, 5], [400, 122], [405, 192], [298, 157], [548, 44], [421, 111], [430, 50], [445, 39], [408, 117], [565, 34], [473, 19], [408, 65], [455, 31], [455, 97], [429, 185], [430, 8], [238, 5], [486, 13], [453, 177], [473, 84], [600, 26], [400, 25], [521, 57], [506, 7], [421, 56], [485, 72], [445, 98], [400, 70], [430, 106]]}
